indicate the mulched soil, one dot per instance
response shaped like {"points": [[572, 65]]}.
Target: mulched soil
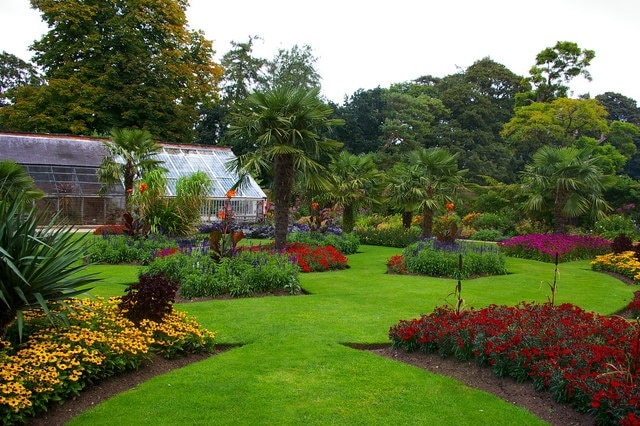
{"points": [[522, 394]]}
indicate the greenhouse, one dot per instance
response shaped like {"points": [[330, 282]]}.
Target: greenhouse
{"points": [[65, 168]]}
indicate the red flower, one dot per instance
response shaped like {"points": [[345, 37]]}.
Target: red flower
{"points": [[230, 193], [142, 187]]}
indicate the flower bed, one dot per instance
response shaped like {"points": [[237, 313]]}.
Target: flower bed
{"points": [[545, 247], [310, 258], [587, 360], [54, 364], [625, 264]]}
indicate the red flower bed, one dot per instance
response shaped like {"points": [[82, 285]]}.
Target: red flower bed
{"points": [[109, 230], [311, 258], [587, 360]]}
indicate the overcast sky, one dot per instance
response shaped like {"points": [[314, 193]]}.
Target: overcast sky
{"points": [[365, 44]]}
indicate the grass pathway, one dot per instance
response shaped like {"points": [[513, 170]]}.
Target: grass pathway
{"points": [[293, 367]]}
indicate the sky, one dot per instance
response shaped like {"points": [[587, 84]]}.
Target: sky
{"points": [[366, 44]]}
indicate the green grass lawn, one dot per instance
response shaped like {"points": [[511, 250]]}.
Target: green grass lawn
{"points": [[293, 366]]}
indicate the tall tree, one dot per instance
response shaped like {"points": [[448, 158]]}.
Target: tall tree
{"points": [[14, 73], [363, 113], [565, 180], [438, 181], [287, 126], [620, 107], [124, 64], [131, 154], [556, 66], [354, 182], [293, 67]]}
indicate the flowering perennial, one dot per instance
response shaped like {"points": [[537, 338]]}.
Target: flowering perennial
{"points": [[625, 264], [587, 360], [544, 247], [310, 258], [57, 363]]}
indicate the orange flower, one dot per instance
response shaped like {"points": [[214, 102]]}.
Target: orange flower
{"points": [[449, 207], [231, 193], [314, 205], [221, 214], [142, 187]]}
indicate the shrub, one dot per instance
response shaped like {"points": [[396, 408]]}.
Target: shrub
{"points": [[614, 225], [388, 236], [150, 298], [194, 272], [544, 247], [395, 264], [621, 243], [585, 359], [109, 230], [429, 258], [249, 273], [487, 235], [114, 249]]}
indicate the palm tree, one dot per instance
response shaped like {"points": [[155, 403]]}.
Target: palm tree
{"points": [[14, 182], [438, 181], [569, 180], [401, 191], [130, 154], [355, 182], [286, 127]]}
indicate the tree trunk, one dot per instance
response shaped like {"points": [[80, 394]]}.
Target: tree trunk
{"points": [[560, 221], [282, 187], [407, 218], [348, 218], [427, 222]]}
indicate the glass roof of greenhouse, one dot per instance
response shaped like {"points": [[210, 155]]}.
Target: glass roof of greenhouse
{"points": [[68, 165]]}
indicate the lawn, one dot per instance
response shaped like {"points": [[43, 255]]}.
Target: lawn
{"points": [[293, 366]]}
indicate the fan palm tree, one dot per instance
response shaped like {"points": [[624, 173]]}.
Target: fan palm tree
{"points": [[566, 180], [14, 182], [130, 154], [286, 127], [355, 182], [402, 193], [438, 181]]}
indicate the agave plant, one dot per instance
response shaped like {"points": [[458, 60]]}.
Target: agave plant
{"points": [[38, 264]]}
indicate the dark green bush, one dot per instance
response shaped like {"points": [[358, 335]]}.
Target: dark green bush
{"points": [[487, 235]]}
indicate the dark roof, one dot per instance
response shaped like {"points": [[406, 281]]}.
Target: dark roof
{"points": [[45, 149]]}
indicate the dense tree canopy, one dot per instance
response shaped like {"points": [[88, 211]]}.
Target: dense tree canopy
{"points": [[116, 64], [14, 73]]}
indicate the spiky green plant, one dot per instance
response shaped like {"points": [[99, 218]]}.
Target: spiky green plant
{"points": [[38, 264]]}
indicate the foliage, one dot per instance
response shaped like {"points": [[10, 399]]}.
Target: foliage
{"points": [[428, 257], [634, 305], [105, 230], [388, 236], [14, 72], [621, 243], [488, 235], [151, 298], [55, 364], [177, 215], [447, 227], [614, 225], [116, 64], [344, 243], [194, 271], [130, 154], [114, 249], [585, 359], [16, 182], [545, 247], [395, 264], [556, 66], [287, 125], [566, 182], [625, 263], [39, 263]]}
